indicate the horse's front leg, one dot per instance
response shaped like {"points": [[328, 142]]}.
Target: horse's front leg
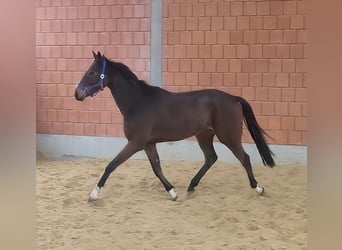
{"points": [[152, 154], [125, 153]]}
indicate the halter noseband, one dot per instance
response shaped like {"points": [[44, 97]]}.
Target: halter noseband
{"points": [[93, 90]]}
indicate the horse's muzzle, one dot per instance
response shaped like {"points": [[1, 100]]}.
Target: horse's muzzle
{"points": [[80, 94]]}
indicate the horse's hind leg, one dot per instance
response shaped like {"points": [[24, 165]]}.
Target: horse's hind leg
{"points": [[152, 154], [243, 157], [205, 141]]}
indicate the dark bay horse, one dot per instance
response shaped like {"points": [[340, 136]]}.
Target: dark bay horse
{"points": [[153, 115]]}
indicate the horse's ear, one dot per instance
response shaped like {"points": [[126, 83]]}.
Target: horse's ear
{"points": [[99, 54], [94, 54]]}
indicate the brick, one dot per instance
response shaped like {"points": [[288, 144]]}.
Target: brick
{"points": [[186, 10], [249, 37], [276, 7], [203, 79], [297, 51], [261, 94], [192, 78], [288, 94], [281, 136], [274, 94], [192, 51], [288, 65], [274, 123], [297, 22], [255, 79], [296, 80], [223, 37], [204, 51], [262, 36], [302, 36], [281, 108], [179, 51], [127, 11], [185, 65], [198, 37], [204, 23], [255, 51], [242, 79], [133, 24], [222, 66], [210, 9], [242, 22], [216, 23], [276, 36], [229, 51], [301, 95], [290, 7], [191, 23], [275, 65], [270, 22], [236, 8], [287, 123], [256, 22], [229, 23], [229, 79], [216, 79], [100, 129], [282, 79], [185, 38], [210, 37], [250, 8], [283, 51], [301, 65], [268, 79], [269, 51], [179, 23], [248, 93], [197, 65], [198, 9], [263, 8], [174, 10], [210, 65], [173, 38], [290, 36], [283, 22], [295, 109], [295, 137], [235, 65], [236, 37], [248, 65], [267, 108], [217, 51], [223, 9], [261, 65]]}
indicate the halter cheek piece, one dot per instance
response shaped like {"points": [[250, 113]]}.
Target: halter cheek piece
{"points": [[93, 90]]}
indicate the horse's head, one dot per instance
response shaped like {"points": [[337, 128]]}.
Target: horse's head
{"points": [[93, 80]]}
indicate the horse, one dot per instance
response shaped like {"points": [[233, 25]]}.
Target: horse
{"points": [[152, 115]]}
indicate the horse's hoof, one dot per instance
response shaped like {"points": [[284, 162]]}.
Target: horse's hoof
{"points": [[173, 194], [94, 194], [260, 190]]}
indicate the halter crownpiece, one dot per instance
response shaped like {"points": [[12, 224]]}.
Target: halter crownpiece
{"points": [[93, 90]]}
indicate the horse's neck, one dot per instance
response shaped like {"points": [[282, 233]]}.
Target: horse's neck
{"points": [[125, 94]]}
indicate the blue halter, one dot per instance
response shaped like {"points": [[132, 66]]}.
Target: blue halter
{"points": [[93, 90]]}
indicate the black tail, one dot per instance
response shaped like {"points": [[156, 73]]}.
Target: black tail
{"points": [[257, 133]]}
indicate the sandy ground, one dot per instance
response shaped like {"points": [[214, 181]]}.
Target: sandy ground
{"points": [[135, 212]]}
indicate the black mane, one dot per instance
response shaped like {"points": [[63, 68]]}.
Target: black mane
{"points": [[126, 71]]}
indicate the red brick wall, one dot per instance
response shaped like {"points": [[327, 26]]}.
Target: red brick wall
{"points": [[255, 49], [67, 32]]}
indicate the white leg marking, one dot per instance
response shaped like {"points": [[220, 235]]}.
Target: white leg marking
{"points": [[94, 194], [173, 194], [259, 189]]}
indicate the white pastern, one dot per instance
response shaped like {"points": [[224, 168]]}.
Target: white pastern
{"points": [[259, 189], [173, 194], [94, 194]]}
